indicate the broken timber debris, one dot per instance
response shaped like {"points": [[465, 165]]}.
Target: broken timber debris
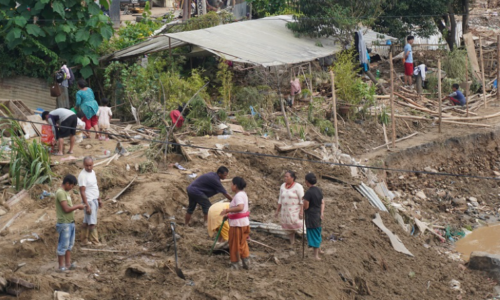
{"points": [[296, 146]]}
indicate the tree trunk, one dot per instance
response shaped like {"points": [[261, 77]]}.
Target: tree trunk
{"points": [[448, 34], [465, 18]]}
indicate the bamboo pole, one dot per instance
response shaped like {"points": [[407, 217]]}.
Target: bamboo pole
{"points": [[439, 93], [334, 109], [482, 70], [467, 84], [498, 66], [392, 102], [282, 105], [310, 81]]}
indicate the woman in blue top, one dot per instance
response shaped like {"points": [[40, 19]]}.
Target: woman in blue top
{"points": [[85, 100]]}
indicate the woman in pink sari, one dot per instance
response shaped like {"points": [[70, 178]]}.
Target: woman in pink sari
{"points": [[290, 205]]}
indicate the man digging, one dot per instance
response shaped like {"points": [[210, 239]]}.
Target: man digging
{"points": [[206, 186], [89, 191]]}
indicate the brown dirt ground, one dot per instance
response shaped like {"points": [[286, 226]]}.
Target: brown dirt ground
{"points": [[361, 266]]}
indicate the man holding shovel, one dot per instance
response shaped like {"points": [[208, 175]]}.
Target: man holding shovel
{"points": [[206, 186], [89, 192]]}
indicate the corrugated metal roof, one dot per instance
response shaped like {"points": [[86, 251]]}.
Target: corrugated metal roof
{"points": [[266, 42]]}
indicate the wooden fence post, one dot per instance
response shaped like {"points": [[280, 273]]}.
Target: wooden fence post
{"points": [[439, 92], [392, 102]]}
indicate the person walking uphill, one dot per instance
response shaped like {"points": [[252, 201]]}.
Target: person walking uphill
{"points": [[290, 205], [85, 100], [89, 191], [239, 225], [314, 206], [203, 188], [64, 123], [65, 212]]}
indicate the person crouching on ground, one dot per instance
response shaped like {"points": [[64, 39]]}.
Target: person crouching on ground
{"points": [[314, 206], [456, 98], [215, 220], [206, 186], [239, 225], [290, 205], [65, 212], [63, 122]]}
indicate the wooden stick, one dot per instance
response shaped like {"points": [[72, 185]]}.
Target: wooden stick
{"points": [[310, 81], [392, 102], [398, 140], [124, 189], [439, 94], [498, 67], [473, 118], [7, 225], [467, 84], [334, 109], [102, 250], [385, 136], [262, 244], [111, 159], [482, 70], [463, 123]]}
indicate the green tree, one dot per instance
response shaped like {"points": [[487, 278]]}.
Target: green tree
{"points": [[38, 35], [423, 17], [335, 18]]}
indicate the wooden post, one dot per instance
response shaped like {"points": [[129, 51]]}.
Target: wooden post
{"points": [[392, 102], [170, 47], [467, 84], [439, 92], [311, 81], [282, 105], [482, 70], [334, 109], [498, 66]]}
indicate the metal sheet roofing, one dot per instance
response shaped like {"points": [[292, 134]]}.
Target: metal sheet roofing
{"points": [[266, 42]]}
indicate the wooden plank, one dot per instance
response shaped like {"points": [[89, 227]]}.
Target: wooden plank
{"points": [[7, 225], [17, 198], [296, 146], [28, 129], [236, 128], [183, 150], [38, 119], [471, 53]]}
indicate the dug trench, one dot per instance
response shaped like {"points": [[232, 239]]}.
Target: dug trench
{"points": [[359, 261]]}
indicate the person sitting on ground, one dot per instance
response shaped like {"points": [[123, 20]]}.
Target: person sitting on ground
{"points": [[239, 225], [206, 186], [64, 123], [456, 98], [290, 205], [215, 220], [314, 206], [408, 61], [65, 212]]}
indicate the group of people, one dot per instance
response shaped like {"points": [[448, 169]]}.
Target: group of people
{"points": [[87, 112], [456, 97], [231, 220], [65, 208]]}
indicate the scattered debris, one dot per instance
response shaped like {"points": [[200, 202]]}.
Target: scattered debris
{"points": [[395, 241]]}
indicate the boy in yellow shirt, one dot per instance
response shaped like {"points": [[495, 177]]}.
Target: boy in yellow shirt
{"points": [[66, 223]]}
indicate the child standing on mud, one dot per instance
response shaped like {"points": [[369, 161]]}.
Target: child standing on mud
{"points": [[66, 223], [239, 225], [104, 113]]}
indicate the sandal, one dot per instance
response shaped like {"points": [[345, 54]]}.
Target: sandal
{"points": [[58, 154], [61, 270], [70, 152], [72, 266]]}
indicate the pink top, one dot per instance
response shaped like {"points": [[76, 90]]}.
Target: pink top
{"points": [[240, 198]]}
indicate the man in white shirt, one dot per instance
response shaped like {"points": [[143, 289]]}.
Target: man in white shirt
{"points": [[89, 192]]}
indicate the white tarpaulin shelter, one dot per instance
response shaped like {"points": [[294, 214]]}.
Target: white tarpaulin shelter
{"points": [[266, 42]]}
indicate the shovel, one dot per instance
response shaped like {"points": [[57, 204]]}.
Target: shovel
{"points": [[177, 270], [217, 237]]}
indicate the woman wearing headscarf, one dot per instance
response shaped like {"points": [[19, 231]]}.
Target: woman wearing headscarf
{"points": [[290, 205], [85, 100]]}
